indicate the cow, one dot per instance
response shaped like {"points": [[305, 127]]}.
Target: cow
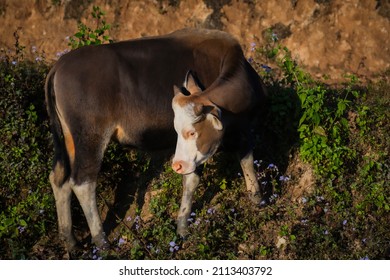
{"points": [[125, 91]]}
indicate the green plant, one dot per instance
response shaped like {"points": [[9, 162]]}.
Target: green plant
{"points": [[86, 35], [25, 196]]}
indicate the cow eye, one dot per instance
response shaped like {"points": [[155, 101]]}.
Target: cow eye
{"points": [[191, 134]]}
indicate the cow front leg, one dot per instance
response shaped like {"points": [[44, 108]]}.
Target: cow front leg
{"points": [[62, 196], [251, 182], [86, 194], [190, 182]]}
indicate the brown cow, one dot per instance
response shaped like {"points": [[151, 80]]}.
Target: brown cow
{"points": [[124, 91]]}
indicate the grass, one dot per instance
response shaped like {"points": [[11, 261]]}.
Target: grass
{"points": [[322, 156]]}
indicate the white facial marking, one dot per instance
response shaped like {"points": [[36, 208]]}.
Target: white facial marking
{"points": [[185, 155]]}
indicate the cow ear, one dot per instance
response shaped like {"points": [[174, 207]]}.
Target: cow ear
{"points": [[215, 117], [176, 90], [191, 84]]}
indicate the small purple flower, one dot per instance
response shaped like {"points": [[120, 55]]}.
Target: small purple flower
{"points": [[128, 219], [121, 241], [21, 229], [284, 178], [173, 247], [197, 222], [304, 199], [211, 211], [345, 222], [365, 258], [326, 232], [250, 60], [257, 163], [38, 59], [253, 46], [14, 62], [266, 68]]}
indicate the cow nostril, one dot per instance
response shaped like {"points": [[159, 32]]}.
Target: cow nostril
{"points": [[177, 167]]}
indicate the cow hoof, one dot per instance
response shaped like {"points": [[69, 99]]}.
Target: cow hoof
{"points": [[70, 243], [101, 242], [182, 229], [256, 198]]}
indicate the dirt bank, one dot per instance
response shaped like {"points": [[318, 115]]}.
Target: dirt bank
{"points": [[328, 36]]}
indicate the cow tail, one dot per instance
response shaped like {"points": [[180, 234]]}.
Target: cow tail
{"points": [[61, 165]]}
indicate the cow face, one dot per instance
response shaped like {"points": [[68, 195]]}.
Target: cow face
{"points": [[198, 125]]}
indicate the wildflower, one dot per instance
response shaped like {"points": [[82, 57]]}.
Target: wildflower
{"points": [[274, 36], [345, 222], [284, 178], [21, 229], [121, 241], [137, 221], [34, 49], [41, 211], [364, 240], [239, 174], [210, 211], [173, 247], [197, 222], [304, 221], [365, 258], [266, 68], [38, 59], [326, 232], [128, 219], [253, 46], [250, 60], [304, 199], [14, 62], [271, 166]]}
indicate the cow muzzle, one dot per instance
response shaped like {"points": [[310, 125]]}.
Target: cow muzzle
{"points": [[182, 167]]}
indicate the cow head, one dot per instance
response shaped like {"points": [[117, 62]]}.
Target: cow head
{"points": [[198, 125]]}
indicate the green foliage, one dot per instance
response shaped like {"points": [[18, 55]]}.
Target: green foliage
{"points": [[25, 203], [341, 132], [86, 35]]}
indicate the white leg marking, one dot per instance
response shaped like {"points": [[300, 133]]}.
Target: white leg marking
{"points": [[86, 194], [190, 182], [251, 182], [62, 197]]}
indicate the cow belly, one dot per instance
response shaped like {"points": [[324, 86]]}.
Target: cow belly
{"points": [[146, 138]]}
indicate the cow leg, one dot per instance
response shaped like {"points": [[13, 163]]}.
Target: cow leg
{"points": [[190, 182], [86, 194], [63, 197], [251, 182]]}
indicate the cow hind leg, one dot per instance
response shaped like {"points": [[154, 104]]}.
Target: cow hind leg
{"points": [[86, 195], [63, 195], [83, 179], [190, 182]]}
